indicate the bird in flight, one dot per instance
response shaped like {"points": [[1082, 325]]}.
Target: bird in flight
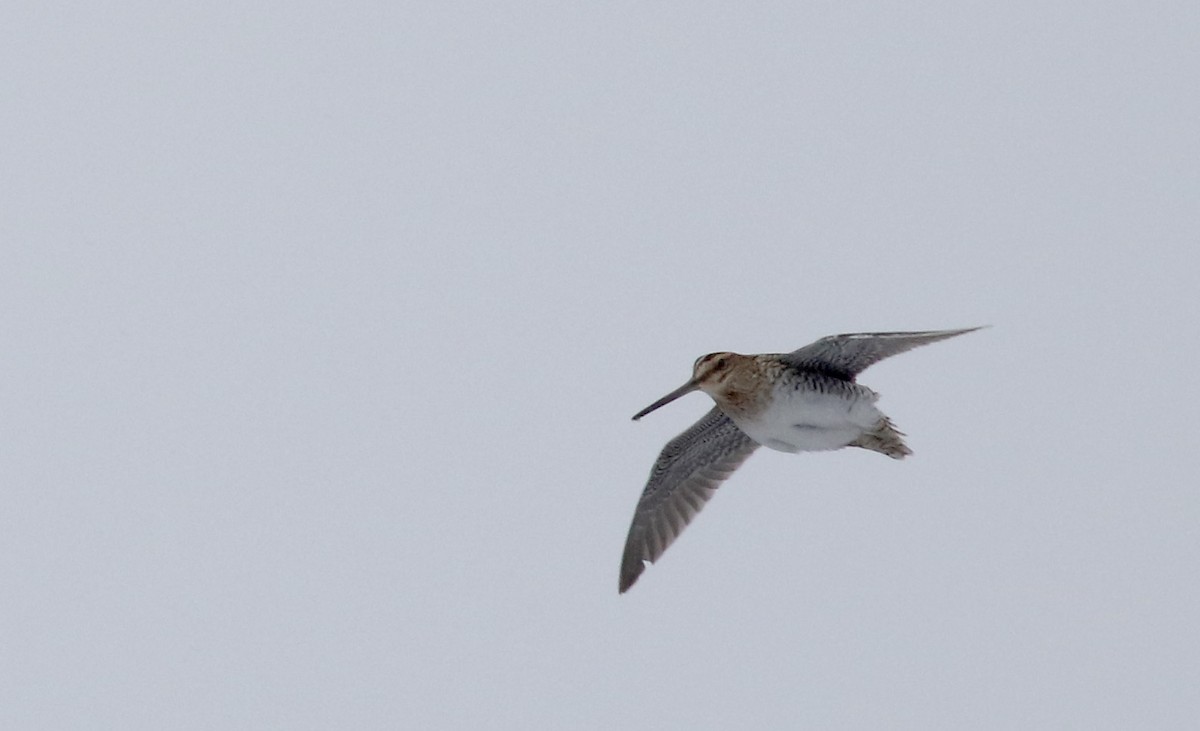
{"points": [[804, 401]]}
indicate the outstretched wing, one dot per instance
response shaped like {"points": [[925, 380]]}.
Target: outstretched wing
{"points": [[845, 356], [688, 471]]}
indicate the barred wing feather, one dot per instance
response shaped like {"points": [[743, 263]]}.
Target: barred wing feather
{"points": [[845, 356], [687, 473]]}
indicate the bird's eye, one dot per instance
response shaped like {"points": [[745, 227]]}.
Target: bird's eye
{"points": [[720, 364]]}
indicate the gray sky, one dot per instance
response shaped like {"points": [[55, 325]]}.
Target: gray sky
{"points": [[322, 325]]}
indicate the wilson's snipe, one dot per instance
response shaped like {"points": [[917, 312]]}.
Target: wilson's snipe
{"points": [[802, 401]]}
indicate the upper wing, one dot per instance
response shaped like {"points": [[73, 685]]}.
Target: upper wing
{"points": [[845, 356], [688, 471]]}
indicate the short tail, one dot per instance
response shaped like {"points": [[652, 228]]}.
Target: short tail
{"points": [[884, 438]]}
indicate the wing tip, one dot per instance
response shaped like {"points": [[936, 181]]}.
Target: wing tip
{"points": [[629, 574], [965, 330]]}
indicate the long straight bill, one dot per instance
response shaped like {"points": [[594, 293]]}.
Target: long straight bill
{"points": [[683, 390]]}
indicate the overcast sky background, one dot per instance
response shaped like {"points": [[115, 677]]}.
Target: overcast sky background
{"points": [[322, 325]]}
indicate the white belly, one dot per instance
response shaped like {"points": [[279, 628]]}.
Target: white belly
{"points": [[807, 421]]}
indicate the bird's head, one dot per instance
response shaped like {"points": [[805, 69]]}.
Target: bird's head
{"points": [[709, 374], [710, 371]]}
